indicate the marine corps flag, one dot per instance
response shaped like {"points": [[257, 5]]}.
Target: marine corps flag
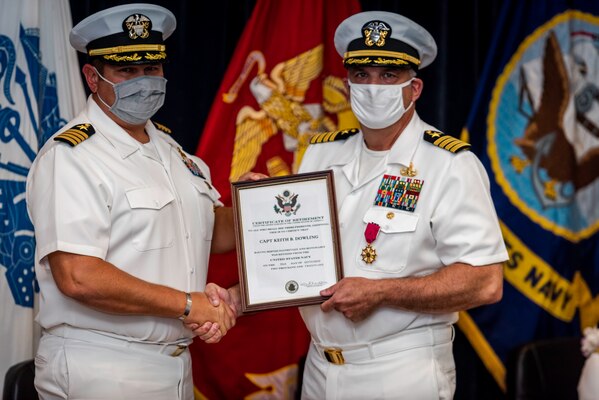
{"points": [[283, 85], [535, 121], [41, 90]]}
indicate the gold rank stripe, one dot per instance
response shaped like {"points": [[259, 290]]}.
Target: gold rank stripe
{"points": [[450, 143], [319, 138], [327, 137], [72, 137], [446, 142], [76, 134]]}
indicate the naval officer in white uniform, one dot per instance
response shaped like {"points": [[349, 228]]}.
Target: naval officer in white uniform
{"points": [[419, 233], [124, 222]]}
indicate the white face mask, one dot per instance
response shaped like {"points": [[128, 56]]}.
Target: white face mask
{"points": [[378, 106], [137, 99]]}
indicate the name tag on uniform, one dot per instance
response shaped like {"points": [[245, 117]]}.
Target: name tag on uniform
{"points": [[398, 192]]}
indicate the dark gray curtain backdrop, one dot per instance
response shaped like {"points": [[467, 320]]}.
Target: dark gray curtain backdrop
{"points": [[206, 36]]}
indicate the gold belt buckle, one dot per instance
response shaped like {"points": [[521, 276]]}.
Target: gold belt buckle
{"points": [[334, 355], [178, 351]]}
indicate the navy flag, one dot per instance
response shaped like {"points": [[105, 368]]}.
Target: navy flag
{"points": [[535, 124]]}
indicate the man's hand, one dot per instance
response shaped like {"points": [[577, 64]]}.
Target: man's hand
{"points": [[355, 298], [230, 296], [210, 331], [203, 311], [252, 176]]}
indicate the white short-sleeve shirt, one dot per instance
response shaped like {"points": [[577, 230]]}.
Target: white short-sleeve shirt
{"points": [[450, 218], [139, 208]]}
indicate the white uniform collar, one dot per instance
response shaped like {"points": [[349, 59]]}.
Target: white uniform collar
{"points": [[162, 141], [401, 152]]}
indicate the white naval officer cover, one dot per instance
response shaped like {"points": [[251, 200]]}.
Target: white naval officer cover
{"points": [[40, 91]]}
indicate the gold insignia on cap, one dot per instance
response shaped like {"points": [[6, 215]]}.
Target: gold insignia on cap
{"points": [[375, 33], [137, 26], [157, 56], [129, 58], [397, 58], [76, 134]]}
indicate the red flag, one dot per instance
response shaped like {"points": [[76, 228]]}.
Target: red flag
{"points": [[283, 85]]}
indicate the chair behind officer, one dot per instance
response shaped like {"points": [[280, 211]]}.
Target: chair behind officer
{"points": [[18, 382]]}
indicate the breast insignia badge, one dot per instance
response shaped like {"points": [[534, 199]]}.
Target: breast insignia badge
{"points": [[409, 172], [191, 166], [399, 193]]}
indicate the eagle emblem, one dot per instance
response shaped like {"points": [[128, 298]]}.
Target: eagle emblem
{"points": [[375, 33], [137, 26], [543, 136], [545, 142], [286, 203], [281, 97]]}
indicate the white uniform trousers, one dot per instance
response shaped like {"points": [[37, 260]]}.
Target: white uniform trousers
{"points": [[412, 365], [95, 366]]}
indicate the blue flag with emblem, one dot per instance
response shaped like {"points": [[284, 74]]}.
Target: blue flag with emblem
{"points": [[40, 89], [535, 124]]}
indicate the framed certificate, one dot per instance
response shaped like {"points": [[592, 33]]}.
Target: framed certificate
{"points": [[287, 240]]}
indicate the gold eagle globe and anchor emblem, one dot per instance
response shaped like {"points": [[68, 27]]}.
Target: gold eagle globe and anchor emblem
{"points": [[281, 97], [137, 26], [375, 33]]}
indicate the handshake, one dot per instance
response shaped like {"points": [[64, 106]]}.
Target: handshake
{"points": [[213, 312]]}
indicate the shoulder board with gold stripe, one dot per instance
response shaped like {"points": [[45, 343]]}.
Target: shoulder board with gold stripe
{"points": [[328, 137], [162, 128], [76, 134], [445, 141]]}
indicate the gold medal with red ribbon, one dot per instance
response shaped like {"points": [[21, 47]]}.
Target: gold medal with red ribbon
{"points": [[370, 234]]}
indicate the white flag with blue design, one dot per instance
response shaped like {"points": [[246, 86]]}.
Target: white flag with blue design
{"points": [[40, 90]]}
